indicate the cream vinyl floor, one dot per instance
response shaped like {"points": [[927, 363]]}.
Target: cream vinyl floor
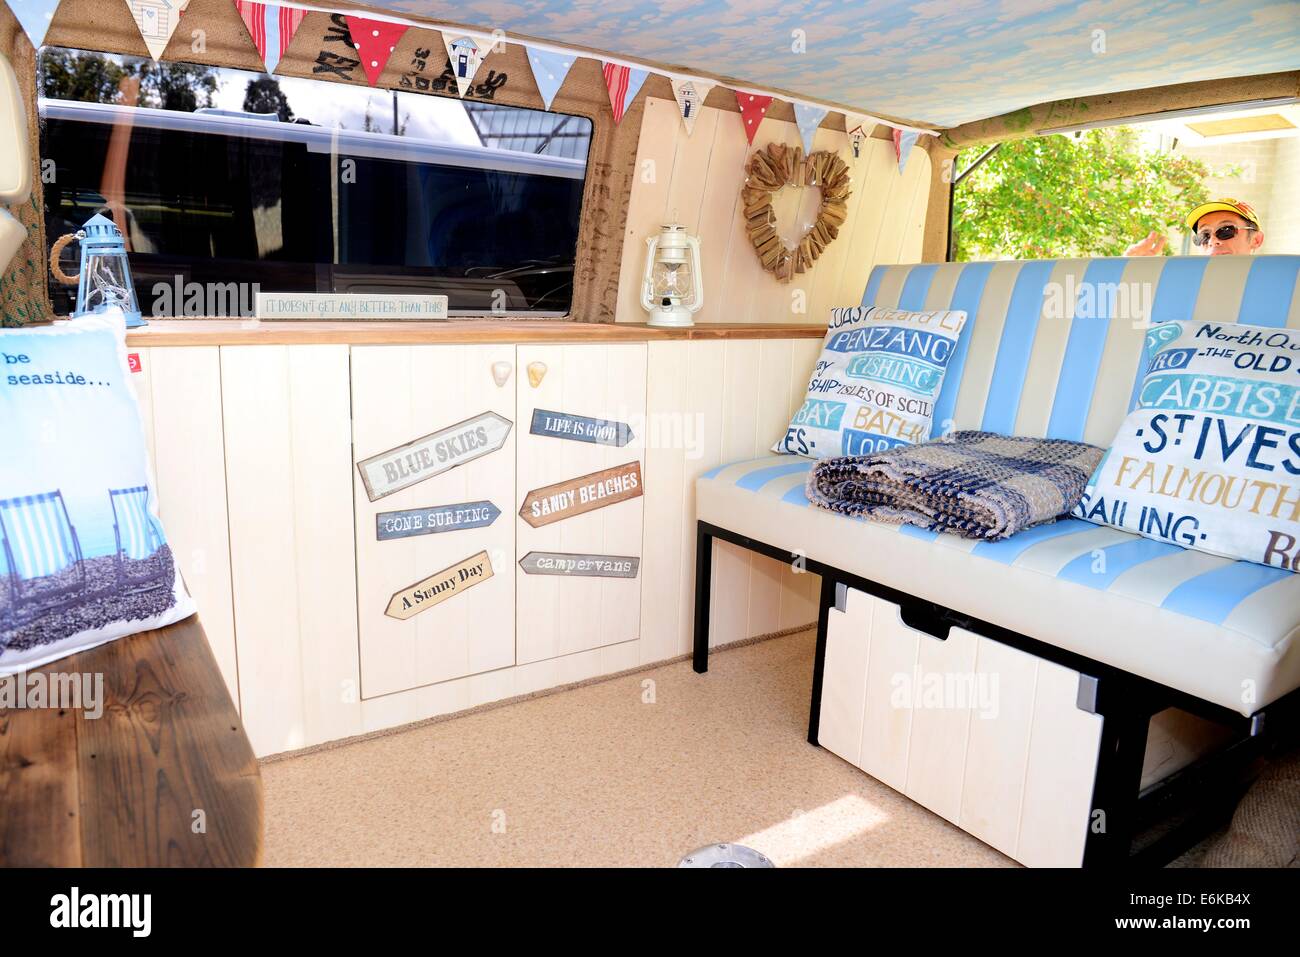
{"points": [[608, 774]]}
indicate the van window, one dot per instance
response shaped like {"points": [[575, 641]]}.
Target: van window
{"points": [[300, 185], [1095, 192]]}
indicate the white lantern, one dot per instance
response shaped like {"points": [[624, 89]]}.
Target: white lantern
{"points": [[673, 288]]}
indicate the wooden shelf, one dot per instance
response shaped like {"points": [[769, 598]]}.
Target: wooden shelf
{"points": [[227, 332], [120, 790]]}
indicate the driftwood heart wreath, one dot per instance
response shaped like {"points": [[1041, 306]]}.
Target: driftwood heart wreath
{"points": [[779, 166]]}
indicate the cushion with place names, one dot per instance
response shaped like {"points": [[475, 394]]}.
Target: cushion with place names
{"points": [[1210, 457], [875, 382]]}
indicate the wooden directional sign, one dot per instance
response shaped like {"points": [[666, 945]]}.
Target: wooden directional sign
{"points": [[585, 566], [432, 455], [585, 493], [437, 518], [436, 589], [580, 428]]}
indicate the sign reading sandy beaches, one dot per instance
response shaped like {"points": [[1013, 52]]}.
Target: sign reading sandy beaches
{"points": [[585, 493]]}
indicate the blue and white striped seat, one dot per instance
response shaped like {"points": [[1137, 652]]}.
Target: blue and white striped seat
{"points": [[1222, 630]]}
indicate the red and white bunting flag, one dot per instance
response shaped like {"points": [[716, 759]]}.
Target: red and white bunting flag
{"points": [[752, 110], [904, 140], [375, 41], [624, 83], [271, 27]]}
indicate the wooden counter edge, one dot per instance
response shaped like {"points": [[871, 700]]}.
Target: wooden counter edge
{"points": [[229, 332]]}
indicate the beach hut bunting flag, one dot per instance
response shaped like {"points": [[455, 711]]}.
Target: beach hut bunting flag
{"points": [[466, 52], [375, 41], [808, 118], [856, 128], [271, 27], [752, 110], [549, 70], [904, 140], [157, 21], [690, 96], [35, 17], [624, 83]]}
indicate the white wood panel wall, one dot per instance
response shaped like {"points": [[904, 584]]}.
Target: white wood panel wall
{"points": [[289, 485], [696, 180], [563, 615], [711, 402], [400, 393], [180, 401]]}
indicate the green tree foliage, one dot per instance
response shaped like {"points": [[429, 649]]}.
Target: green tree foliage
{"points": [[1092, 194], [97, 78], [264, 95]]}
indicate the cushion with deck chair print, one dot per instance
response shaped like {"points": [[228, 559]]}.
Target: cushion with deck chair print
{"points": [[83, 557]]}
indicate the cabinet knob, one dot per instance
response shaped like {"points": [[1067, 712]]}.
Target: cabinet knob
{"points": [[501, 373], [536, 373]]}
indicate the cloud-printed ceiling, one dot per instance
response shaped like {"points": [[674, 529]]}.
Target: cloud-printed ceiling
{"points": [[942, 62]]}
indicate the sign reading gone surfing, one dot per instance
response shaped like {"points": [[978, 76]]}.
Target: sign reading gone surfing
{"points": [[402, 467], [437, 588], [585, 493]]}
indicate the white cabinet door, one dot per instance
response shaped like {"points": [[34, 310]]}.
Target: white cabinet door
{"points": [[435, 561], [579, 496]]}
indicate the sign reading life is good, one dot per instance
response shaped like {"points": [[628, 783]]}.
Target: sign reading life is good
{"points": [[585, 493], [402, 467], [585, 566], [438, 518], [580, 428], [437, 588]]}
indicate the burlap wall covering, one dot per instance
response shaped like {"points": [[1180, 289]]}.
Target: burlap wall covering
{"points": [[318, 52]]}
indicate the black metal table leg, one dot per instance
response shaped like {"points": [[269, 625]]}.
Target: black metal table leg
{"points": [[703, 576]]}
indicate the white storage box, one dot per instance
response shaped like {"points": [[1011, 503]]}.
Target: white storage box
{"points": [[987, 736]]}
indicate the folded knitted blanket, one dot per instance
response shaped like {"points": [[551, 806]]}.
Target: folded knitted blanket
{"points": [[975, 484]]}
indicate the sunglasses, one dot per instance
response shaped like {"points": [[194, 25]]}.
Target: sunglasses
{"points": [[1223, 233]]}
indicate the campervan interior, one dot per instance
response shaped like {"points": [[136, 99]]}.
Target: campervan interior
{"points": [[644, 434]]}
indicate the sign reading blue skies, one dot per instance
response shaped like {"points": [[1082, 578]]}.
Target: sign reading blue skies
{"points": [[942, 62], [580, 428], [69, 424]]}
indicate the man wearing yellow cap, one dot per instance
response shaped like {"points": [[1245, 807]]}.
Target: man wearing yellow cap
{"points": [[1223, 227]]}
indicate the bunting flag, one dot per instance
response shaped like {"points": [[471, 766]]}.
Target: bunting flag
{"points": [[752, 110], [904, 140], [690, 96], [375, 41], [808, 118], [271, 28], [35, 17], [857, 128], [157, 21], [466, 51], [624, 83], [549, 70]]}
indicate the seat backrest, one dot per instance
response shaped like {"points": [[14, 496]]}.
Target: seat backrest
{"points": [[1052, 347], [35, 529]]}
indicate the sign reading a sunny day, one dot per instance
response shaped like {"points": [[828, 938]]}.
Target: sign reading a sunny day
{"points": [[569, 564], [404, 466], [580, 428], [440, 586], [554, 503], [437, 518]]}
